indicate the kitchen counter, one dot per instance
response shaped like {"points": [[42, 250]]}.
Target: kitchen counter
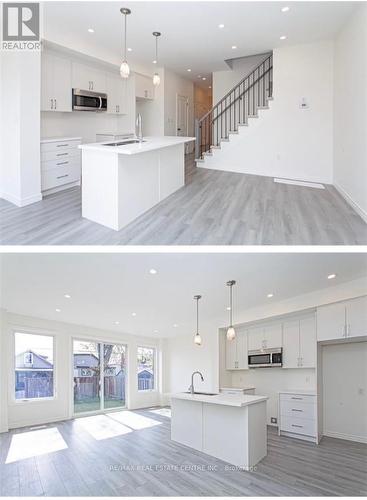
{"points": [[231, 427], [120, 183], [44, 140], [148, 144]]}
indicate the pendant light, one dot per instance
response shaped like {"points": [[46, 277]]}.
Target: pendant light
{"points": [[231, 333], [124, 68], [197, 336], [156, 78]]}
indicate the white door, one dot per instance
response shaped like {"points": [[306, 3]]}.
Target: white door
{"points": [[255, 338], [307, 342], [62, 83], [231, 347], [182, 115], [357, 317], [241, 338], [331, 321], [291, 344], [273, 335]]}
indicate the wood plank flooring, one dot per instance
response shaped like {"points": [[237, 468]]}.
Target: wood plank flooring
{"points": [[214, 208], [146, 462]]}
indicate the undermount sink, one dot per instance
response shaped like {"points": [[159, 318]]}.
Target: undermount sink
{"points": [[123, 143], [202, 393]]}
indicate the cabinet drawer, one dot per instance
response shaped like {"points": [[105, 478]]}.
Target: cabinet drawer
{"points": [[305, 398], [60, 163], [298, 409], [59, 155], [298, 425], [59, 176], [59, 145]]}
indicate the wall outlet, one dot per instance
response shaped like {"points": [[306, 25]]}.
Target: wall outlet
{"points": [[273, 420]]}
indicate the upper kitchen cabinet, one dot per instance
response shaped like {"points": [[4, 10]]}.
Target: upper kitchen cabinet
{"points": [[342, 320], [116, 94], [299, 342], [55, 83], [265, 337], [236, 352], [144, 88], [88, 78]]}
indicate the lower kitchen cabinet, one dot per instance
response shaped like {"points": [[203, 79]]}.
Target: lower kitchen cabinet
{"points": [[342, 320], [298, 415], [236, 351]]}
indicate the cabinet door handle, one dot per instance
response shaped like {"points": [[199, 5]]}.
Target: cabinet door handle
{"points": [[299, 426], [62, 154], [62, 176], [295, 409], [55, 103], [62, 163], [299, 399], [348, 330], [62, 145], [52, 103]]}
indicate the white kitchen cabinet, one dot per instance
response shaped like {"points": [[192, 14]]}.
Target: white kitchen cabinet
{"points": [[88, 78], [299, 342], [298, 415], [236, 352], [342, 320], [265, 337], [144, 88], [116, 94], [55, 83], [60, 163], [255, 338]]}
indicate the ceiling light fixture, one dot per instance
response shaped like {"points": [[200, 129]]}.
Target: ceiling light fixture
{"points": [[175, 325], [210, 86], [220, 26], [58, 310], [285, 9], [189, 70], [90, 30], [155, 331], [331, 276], [124, 68], [133, 314], [234, 47], [67, 296], [231, 333], [129, 49], [117, 322], [283, 37], [156, 78], [197, 336], [153, 271], [204, 78], [270, 295]]}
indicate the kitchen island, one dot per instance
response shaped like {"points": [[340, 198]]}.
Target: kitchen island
{"points": [[121, 182], [226, 426]]}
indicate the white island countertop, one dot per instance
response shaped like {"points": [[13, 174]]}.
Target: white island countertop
{"points": [[148, 144], [239, 400]]}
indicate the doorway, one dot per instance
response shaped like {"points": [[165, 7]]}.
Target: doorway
{"points": [[99, 374], [182, 115]]}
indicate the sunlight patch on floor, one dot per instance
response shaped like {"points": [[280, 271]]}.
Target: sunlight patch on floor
{"points": [[164, 412], [102, 427], [34, 443], [133, 420]]}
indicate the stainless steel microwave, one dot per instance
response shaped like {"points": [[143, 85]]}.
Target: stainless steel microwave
{"points": [[265, 358], [86, 100]]}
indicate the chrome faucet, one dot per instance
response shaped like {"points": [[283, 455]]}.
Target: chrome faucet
{"points": [[139, 127], [191, 388]]}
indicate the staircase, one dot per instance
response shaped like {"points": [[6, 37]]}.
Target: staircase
{"points": [[234, 110]]}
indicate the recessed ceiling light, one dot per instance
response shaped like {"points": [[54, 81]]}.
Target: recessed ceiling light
{"points": [[270, 295], [90, 30], [234, 47], [175, 325], [153, 271], [228, 308], [221, 26], [58, 310], [283, 37], [331, 276], [210, 86], [67, 296], [129, 49], [154, 62], [133, 314], [204, 78], [117, 322], [285, 9], [155, 331], [189, 70]]}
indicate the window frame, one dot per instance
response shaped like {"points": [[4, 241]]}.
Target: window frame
{"points": [[155, 371], [26, 401]]}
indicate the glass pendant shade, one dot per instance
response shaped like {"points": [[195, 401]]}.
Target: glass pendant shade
{"points": [[231, 333], [124, 70], [156, 79], [197, 339]]}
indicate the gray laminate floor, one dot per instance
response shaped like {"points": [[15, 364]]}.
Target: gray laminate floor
{"points": [[102, 457], [214, 208]]}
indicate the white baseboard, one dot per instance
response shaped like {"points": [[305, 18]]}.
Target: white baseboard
{"points": [[21, 202], [348, 437], [351, 202], [30, 423]]}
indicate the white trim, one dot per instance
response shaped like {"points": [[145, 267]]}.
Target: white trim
{"points": [[34, 422], [21, 202], [362, 213], [316, 185], [348, 437]]}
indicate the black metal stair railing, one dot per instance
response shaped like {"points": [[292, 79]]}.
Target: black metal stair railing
{"points": [[243, 101]]}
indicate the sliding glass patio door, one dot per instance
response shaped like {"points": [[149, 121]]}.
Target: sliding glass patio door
{"points": [[99, 376]]}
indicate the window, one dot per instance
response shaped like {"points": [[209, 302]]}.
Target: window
{"points": [[34, 366], [146, 368]]}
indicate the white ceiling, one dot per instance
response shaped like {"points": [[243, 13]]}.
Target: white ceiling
{"points": [[109, 287], [190, 34]]}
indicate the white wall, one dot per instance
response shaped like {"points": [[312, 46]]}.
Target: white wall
{"points": [[345, 391], [286, 141], [20, 129], [153, 111], [224, 81], [33, 413], [3, 376], [350, 102]]}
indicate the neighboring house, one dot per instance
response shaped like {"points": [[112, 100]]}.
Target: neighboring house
{"points": [[145, 379], [33, 376]]}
